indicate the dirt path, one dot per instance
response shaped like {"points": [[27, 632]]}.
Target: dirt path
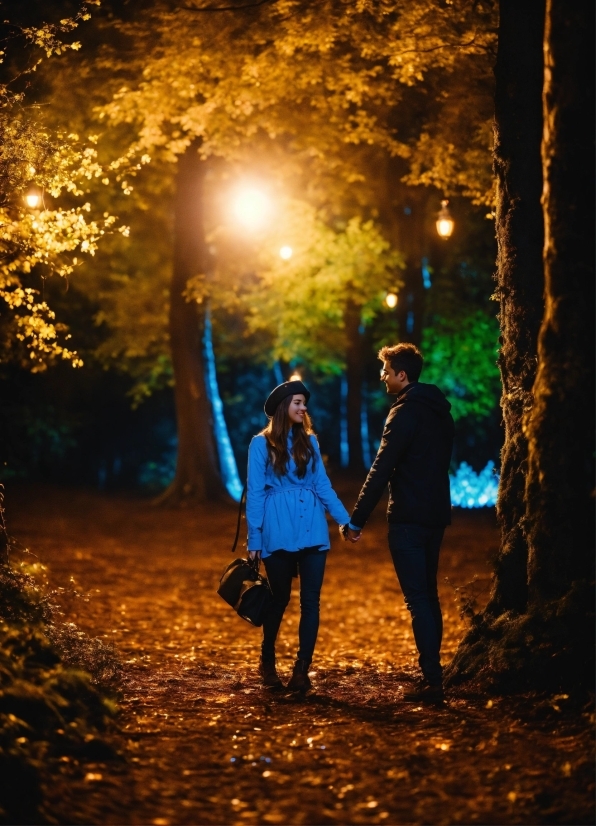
{"points": [[204, 744]]}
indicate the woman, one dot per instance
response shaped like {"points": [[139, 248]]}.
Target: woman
{"points": [[288, 493]]}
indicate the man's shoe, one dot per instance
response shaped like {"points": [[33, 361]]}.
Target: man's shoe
{"points": [[268, 674], [425, 693], [300, 681]]}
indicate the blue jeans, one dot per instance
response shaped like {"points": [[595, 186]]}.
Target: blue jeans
{"points": [[415, 554], [281, 567]]}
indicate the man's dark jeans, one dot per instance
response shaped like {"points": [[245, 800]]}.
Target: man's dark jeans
{"points": [[281, 567], [415, 554]]}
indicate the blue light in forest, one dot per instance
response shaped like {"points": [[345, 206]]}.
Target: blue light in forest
{"points": [[344, 450], [426, 274], [366, 457], [474, 490], [279, 378], [227, 460]]}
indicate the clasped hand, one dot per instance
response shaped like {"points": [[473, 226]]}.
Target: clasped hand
{"points": [[350, 535]]}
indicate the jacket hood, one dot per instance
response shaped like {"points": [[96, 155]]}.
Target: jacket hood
{"points": [[427, 394]]}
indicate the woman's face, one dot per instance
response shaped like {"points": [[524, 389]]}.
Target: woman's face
{"points": [[297, 409]]}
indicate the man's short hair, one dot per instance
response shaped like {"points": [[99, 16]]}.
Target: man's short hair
{"points": [[406, 357]]}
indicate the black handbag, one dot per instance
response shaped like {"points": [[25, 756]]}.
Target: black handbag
{"points": [[242, 586]]}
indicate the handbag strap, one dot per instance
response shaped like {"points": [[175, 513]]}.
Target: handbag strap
{"points": [[242, 501]]}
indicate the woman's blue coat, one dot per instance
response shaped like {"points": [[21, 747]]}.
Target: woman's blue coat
{"points": [[285, 512]]}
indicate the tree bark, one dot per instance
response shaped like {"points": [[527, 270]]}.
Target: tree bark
{"points": [[520, 279], [355, 375], [538, 630], [197, 468], [560, 429]]}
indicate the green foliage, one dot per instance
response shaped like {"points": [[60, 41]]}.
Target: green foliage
{"points": [[460, 357], [44, 238], [300, 303], [128, 282]]}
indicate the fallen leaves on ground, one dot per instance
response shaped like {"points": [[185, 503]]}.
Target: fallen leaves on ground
{"points": [[204, 743]]}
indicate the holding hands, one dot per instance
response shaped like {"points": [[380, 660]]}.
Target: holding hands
{"points": [[349, 534]]}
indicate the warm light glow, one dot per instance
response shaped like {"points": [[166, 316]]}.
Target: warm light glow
{"points": [[252, 208], [295, 377], [391, 300], [286, 253], [33, 199], [445, 222], [445, 227]]}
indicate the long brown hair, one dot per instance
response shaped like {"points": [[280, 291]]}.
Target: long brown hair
{"points": [[276, 434]]}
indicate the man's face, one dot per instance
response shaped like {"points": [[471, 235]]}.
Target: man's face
{"points": [[394, 382]]}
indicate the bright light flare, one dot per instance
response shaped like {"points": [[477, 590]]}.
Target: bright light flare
{"points": [[391, 300], [252, 208], [286, 253], [33, 199], [295, 377]]}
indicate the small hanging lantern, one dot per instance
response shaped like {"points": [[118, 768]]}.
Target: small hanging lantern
{"points": [[445, 222]]}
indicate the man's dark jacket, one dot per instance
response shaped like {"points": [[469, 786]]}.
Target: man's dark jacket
{"points": [[413, 457]]}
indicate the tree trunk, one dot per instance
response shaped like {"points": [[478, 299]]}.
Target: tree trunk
{"points": [[560, 429], [197, 469], [520, 280], [355, 375], [412, 241], [546, 569]]}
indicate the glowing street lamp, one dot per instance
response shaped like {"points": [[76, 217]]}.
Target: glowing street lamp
{"points": [[391, 300], [445, 222], [252, 208], [33, 198], [286, 253]]}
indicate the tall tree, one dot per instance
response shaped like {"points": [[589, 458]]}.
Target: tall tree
{"points": [[197, 467], [538, 626], [560, 426], [520, 279]]}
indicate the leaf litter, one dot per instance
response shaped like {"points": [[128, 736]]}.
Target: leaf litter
{"points": [[204, 743]]}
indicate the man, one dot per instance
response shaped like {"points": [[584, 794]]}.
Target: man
{"points": [[413, 457]]}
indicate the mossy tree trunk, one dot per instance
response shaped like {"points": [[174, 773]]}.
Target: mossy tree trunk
{"points": [[520, 280], [560, 427], [537, 630], [197, 468]]}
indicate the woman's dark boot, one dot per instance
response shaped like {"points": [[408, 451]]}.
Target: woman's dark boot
{"points": [[268, 674], [300, 681]]}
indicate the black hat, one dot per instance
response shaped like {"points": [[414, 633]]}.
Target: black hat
{"points": [[282, 391]]}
